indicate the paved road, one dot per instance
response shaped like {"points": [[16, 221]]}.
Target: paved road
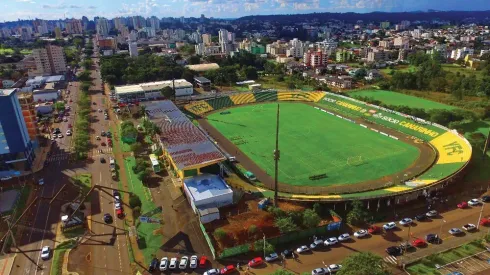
{"points": [[40, 224]]}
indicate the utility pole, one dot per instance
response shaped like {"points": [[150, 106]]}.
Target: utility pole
{"points": [[277, 156], [479, 218], [264, 245]]}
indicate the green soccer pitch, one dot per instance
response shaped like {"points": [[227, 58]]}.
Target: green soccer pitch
{"points": [[312, 143]]}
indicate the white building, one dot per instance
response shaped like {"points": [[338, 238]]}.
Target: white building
{"points": [[207, 191], [49, 60], [133, 49], [461, 53], [155, 23], [152, 90]]}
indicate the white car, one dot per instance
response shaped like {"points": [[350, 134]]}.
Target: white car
{"points": [[469, 227], [100, 110], [163, 264], [432, 213], [455, 231], [68, 132], [474, 202], [183, 262], [65, 119], [344, 237], [213, 271], [45, 253], [316, 243], [389, 226], [272, 257], [320, 271], [41, 182], [193, 263], [173, 263], [302, 249], [331, 241], [406, 221], [361, 233], [117, 205], [334, 268], [60, 135], [53, 137]]}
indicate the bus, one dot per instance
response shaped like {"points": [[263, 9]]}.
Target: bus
{"points": [[154, 163]]}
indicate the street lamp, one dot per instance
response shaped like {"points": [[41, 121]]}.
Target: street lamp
{"points": [[479, 218], [264, 245]]}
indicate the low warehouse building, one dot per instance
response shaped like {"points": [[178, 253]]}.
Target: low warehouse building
{"points": [[207, 191], [152, 90]]}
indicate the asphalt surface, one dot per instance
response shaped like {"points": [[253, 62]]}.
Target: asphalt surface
{"points": [[39, 226]]}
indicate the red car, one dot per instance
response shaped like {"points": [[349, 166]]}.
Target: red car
{"points": [[255, 262], [485, 221], [418, 243], [120, 213], [202, 261], [463, 205], [69, 126], [228, 270], [102, 143], [373, 229]]}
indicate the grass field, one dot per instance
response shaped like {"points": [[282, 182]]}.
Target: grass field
{"points": [[399, 99], [9, 51], [313, 143], [427, 266]]}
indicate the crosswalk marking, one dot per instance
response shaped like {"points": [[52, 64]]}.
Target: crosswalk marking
{"points": [[390, 259], [103, 151]]}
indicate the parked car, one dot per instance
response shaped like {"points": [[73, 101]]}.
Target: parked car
{"points": [[153, 265], [173, 263], [320, 271], [462, 205], [68, 132], [255, 262], [485, 198], [474, 202], [193, 262], [373, 229], [287, 253], [405, 221], [163, 264], [361, 233], [45, 253], [316, 243], [469, 227], [271, 257], [421, 217], [389, 226], [213, 271], [334, 268], [455, 231], [344, 237], [302, 249], [394, 250], [485, 221], [432, 238], [419, 243], [228, 269], [331, 241], [432, 213], [406, 246]]}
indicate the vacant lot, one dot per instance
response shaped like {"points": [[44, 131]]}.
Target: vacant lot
{"points": [[399, 99], [312, 143]]}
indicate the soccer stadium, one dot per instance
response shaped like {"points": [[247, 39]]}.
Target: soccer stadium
{"points": [[332, 147]]}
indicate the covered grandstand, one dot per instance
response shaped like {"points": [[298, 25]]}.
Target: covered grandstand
{"points": [[452, 149], [184, 145]]}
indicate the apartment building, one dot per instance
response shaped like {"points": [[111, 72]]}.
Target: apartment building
{"points": [[377, 55], [29, 113], [102, 27], [49, 60], [74, 26], [315, 59]]}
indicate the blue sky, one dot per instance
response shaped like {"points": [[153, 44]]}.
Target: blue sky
{"points": [[54, 9]]}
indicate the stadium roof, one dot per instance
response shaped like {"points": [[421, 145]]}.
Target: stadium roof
{"points": [[151, 86], [186, 144], [7, 92]]}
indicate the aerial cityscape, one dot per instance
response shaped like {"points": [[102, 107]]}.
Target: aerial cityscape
{"points": [[257, 137]]}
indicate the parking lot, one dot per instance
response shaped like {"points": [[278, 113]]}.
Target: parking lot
{"points": [[470, 265]]}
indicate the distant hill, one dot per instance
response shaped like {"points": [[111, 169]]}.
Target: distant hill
{"points": [[351, 17]]}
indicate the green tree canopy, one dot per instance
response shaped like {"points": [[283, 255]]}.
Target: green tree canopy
{"points": [[167, 92], [363, 263], [310, 218], [286, 224], [357, 215]]}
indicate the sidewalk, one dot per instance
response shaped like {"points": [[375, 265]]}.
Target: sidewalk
{"points": [[6, 264]]}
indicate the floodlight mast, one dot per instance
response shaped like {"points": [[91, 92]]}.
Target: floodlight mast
{"points": [[277, 156]]}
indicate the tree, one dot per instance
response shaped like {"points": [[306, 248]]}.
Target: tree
{"points": [[59, 106], [259, 246], [357, 215], [167, 92], [363, 263], [251, 73], [220, 234], [195, 59], [140, 165], [144, 175], [310, 218], [286, 224], [252, 229], [136, 147], [134, 201]]}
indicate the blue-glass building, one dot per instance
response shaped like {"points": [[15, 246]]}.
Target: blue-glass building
{"points": [[16, 150]]}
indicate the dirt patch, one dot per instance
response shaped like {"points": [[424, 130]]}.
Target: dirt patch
{"points": [[287, 206]]}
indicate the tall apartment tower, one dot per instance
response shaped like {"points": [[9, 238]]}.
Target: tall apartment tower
{"points": [[49, 60], [102, 27]]}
